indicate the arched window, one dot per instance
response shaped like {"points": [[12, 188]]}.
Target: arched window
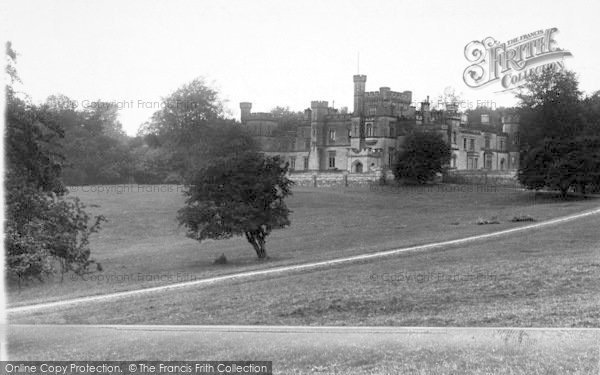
{"points": [[369, 130], [332, 135]]}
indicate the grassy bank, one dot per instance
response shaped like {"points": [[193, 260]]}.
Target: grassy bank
{"points": [[142, 245]]}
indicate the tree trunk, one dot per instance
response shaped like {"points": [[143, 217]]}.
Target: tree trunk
{"points": [[257, 240]]}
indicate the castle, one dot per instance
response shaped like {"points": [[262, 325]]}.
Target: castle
{"points": [[368, 139]]}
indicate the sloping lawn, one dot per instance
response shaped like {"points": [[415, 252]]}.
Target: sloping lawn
{"points": [[545, 277], [141, 244]]}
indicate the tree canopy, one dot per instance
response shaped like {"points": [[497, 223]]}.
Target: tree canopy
{"points": [[424, 155], [559, 133], [238, 195]]}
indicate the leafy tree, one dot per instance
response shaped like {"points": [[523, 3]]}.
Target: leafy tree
{"points": [[448, 98], [560, 134], [94, 143], [41, 225], [562, 164], [191, 131], [239, 195], [550, 107], [423, 156]]}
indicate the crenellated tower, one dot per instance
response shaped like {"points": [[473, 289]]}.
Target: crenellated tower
{"points": [[360, 82], [319, 110], [246, 109]]}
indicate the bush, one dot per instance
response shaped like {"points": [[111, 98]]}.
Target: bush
{"points": [[43, 229]]}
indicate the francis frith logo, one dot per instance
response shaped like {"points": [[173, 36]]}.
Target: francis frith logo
{"points": [[511, 62]]}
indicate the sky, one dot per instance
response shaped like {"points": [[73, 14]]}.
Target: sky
{"points": [[276, 53]]}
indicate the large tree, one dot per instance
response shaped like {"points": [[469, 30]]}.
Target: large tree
{"points": [[238, 195], [550, 107], [191, 131], [559, 134], [94, 143], [42, 225], [423, 156]]}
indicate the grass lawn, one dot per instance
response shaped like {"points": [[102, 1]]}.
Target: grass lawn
{"points": [[544, 277], [325, 351], [141, 244]]}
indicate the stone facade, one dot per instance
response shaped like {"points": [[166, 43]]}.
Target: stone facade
{"points": [[367, 140]]}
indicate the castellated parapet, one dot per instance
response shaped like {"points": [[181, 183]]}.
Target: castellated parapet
{"points": [[319, 104], [246, 109]]}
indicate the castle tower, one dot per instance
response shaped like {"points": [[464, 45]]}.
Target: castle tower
{"points": [[510, 126], [246, 109], [360, 82], [319, 110]]}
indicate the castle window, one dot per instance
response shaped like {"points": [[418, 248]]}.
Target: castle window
{"points": [[332, 159], [487, 142], [392, 131], [453, 161], [488, 161], [305, 162], [464, 143], [332, 135], [372, 111], [454, 137], [292, 163], [502, 145], [369, 130], [472, 163], [390, 156], [471, 144]]}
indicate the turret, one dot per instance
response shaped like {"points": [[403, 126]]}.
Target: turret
{"points": [[385, 93], [319, 110], [246, 109], [360, 82]]}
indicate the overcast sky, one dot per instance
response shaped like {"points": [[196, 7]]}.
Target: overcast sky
{"points": [[276, 52]]}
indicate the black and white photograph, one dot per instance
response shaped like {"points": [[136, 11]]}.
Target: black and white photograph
{"points": [[300, 187]]}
